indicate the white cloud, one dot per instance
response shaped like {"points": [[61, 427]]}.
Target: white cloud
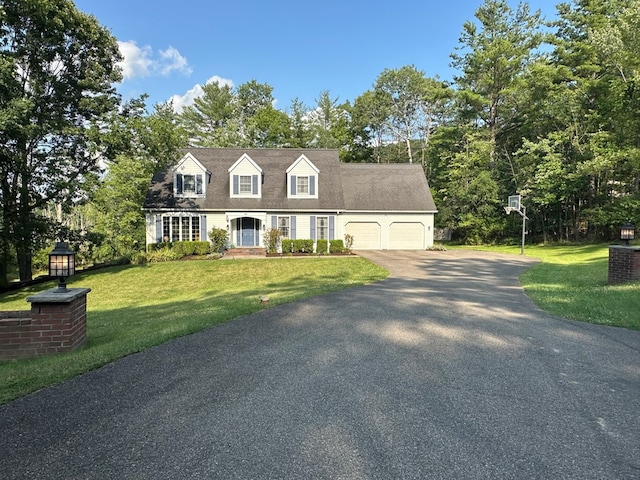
{"points": [[173, 60], [137, 61], [181, 101], [141, 61]]}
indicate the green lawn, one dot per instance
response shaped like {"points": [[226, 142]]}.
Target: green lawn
{"points": [[131, 308], [571, 282]]}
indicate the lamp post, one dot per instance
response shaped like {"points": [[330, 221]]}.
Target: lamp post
{"points": [[62, 264], [627, 232]]}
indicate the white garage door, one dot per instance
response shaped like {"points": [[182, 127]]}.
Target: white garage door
{"points": [[366, 235], [406, 236]]}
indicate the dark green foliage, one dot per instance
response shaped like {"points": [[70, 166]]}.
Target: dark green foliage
{"points": [[337, 246], [321, 247], [272, 239], [219, 239], [297, 246]]}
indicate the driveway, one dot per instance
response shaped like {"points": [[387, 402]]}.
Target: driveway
{"points": [[444, 370]]}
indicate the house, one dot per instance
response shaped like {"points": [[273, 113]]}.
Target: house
{"points": [[306, 193]]}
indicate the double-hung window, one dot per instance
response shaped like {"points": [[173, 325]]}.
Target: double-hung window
{"points": [[245, 184], [189, 184], [302, 187], [322, 225], [283, 226]]}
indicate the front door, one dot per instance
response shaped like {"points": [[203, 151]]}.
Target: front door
{"points": [[248, 233]]}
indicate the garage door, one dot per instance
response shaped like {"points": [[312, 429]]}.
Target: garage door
{"points": [[406, 236], [366, 235]]}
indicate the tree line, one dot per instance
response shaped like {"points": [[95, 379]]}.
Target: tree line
{"points": [[546, 109]]}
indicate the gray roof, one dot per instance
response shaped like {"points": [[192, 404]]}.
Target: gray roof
{"points": [[359, 187]]}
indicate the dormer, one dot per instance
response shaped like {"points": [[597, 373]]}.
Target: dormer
{"points": [[190, 178], [302, 179], [245, 178]]}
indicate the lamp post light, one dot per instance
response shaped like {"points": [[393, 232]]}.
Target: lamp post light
{"points": [[62, 264], [627, 232]]}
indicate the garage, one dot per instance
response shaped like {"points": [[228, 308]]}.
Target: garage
{"points": [[366, 235], [406, 236]]}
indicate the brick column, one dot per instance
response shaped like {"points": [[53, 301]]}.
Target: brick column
{"points": [[624, 264], [60, 318]]}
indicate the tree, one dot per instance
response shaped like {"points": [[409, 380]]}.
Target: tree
{"points": [[57, 71], [145, 145]]}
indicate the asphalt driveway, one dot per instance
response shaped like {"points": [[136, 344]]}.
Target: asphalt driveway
{"points": [[445, 369]]}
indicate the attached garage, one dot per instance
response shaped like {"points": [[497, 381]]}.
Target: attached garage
{"points": [[366, 235], [406, 236]]}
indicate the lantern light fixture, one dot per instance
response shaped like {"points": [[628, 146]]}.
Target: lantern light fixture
{"points": [[62, 264], [627, 232]]}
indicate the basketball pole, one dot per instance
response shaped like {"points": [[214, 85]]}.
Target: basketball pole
{"points": [[524, 219]]}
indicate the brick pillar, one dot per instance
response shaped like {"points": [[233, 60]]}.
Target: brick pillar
{"points": [[624, 264], [60, 318]]}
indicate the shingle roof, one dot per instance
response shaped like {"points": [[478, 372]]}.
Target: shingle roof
{"points": [[361, 187], [385, 187]]}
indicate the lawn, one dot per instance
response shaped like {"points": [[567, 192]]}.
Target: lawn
{"points": [[571, 282], [131, 308]]}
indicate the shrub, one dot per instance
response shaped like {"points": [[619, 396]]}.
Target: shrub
{"points": [[348, 243], [272, 239], [303, 246], [159, 246], [321, 247], [219, 239], [162, 255], [201, 248], [182, 248], [287, 245], [336, 246]]}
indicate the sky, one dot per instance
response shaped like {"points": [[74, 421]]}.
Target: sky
{"points": [[300, 48]]}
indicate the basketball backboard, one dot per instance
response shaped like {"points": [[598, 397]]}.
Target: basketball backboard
{"points": [[514, 202]]}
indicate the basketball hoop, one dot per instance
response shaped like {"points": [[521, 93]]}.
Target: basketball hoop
{"points": [[508, 210]]}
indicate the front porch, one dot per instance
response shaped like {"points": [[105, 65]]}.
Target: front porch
{"points": [[246, 229]]}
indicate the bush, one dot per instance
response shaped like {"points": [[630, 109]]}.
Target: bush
{"points": [[162, 255], [303, 246], [272, 239], [159, 246], [287, 245], [336, 246], [201, 248], [321, 247], [219, 239], [348, 243], [183, 248]]}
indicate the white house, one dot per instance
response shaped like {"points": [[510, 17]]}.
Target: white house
{"points": [[306, 193]]}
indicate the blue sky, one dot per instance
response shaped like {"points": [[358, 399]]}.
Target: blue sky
{"points": [[301, 49]]}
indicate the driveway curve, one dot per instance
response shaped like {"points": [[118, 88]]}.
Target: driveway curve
{"points": [[444, 370]]}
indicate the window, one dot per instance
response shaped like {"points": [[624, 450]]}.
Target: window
{"points": [[323, 228], [176, 229], [283, 226], [189, 184], [302, 187], [245, 184]]}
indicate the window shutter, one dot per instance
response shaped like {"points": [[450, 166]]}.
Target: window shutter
{"points": [[179, 183], [312, 185], [292, 225], [203, 228], [199, 184], [236, 184], [274, 222], [255, 184], [158, 228], [293, 185], [332, 227], [238, 232], [312, 221]]}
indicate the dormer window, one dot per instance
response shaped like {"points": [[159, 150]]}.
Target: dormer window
{"points": [[302, 179], [245, 178], [190, 177], [189, 184], [302, 185]]}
